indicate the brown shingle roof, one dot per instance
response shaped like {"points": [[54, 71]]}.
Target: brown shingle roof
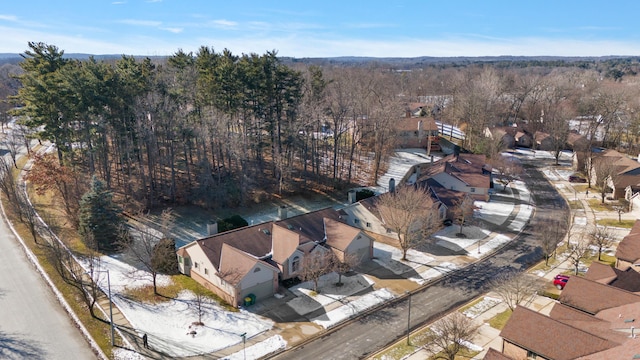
{"points": [[584, 321], [493, 354], [468, 168], [629, 247], [339, 235], [550, 338], [622, 279], [311, 225], [450, 198], [601, 273], [235, 264], [254, 240], [593, 297], [285, 242]]}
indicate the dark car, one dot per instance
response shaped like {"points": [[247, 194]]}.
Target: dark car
{"points": [[560, 281], [577, 179]]}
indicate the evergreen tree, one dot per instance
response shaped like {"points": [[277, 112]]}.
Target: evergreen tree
{"points": [[164, 259], [101, 225]]}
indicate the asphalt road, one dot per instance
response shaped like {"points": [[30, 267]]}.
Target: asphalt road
{"points": [[371, 332], [33, 324]]}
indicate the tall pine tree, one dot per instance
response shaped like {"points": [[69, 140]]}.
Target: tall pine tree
{"points": [[101, 224]]}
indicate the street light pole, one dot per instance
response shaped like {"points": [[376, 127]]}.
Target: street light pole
{"points": [[244, 345], [110, 308], [409, 321]]}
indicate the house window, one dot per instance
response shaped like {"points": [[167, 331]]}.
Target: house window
{"points": [[180, 259], [256, 270], [196, 265], [531, 355], [473, 190], [368, 224], [206, 271], [356, 221], [295, 264]]}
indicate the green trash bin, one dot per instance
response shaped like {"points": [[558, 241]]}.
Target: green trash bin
{"points": [[247, 301], [252, 299]]}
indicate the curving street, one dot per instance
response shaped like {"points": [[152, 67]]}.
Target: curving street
{"points": [[369, 333]]}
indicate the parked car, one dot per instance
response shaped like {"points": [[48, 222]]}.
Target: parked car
{"points": [[560, 281], [577, 179], [447, 222]]}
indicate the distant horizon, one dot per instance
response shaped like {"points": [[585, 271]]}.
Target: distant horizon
{"points": [[328, 29], [497, 57]]}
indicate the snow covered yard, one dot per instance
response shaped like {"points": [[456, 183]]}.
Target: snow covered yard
{"points": [[169, 325]]}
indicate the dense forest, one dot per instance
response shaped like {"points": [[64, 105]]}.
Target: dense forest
{"points": [[218, 129]]}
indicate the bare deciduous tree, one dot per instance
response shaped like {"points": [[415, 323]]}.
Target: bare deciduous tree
{"points": [[142, 247], [577, 251], [463, 212], [314, 265], [343, 265], [73, 274], [449, 334], [411, 214], [601, 237], [515, 287], [199, 303], [549, 238], [605, 172], [508, 168]]}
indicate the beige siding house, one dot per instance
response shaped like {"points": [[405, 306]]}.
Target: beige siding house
{"points": [[251, 261]]}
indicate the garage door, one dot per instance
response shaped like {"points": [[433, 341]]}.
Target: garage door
{"points": [[261, 291], [362, 255]]}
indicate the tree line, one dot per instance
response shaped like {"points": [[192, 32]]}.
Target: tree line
{"points": [[206, 128], [218, 129]]}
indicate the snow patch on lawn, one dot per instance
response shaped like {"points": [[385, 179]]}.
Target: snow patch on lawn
{"points": [[259, 350], [482, 306], [169, 323], [390, 257]]}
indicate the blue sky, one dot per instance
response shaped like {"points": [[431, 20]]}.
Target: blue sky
{"points": [[312, 28]]}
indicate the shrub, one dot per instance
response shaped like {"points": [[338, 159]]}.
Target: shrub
{"points": [[232, 222], [364, 193]]}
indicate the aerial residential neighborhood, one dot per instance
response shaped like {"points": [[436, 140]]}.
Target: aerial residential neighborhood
{"points": [[247, 180]]}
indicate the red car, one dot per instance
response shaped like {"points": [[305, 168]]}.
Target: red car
{"points": [[560, 281]]}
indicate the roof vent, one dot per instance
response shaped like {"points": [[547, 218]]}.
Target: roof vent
{"points": [[266, 231], [629, 320], [290, 227]]}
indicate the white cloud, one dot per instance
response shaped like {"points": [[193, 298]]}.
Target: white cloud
{"points": [[223, 24], [135, 22], [367, 25], [174, 30], [304, 44], [118, 2], [8, 17]]}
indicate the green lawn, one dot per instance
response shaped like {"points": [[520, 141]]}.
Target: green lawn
{"points": [[500, 320], [626, 224]]}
